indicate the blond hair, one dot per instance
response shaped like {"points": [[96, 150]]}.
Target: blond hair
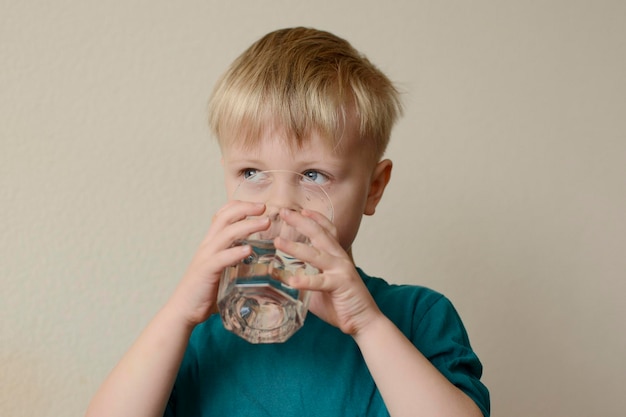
{"points": [[304, 80]]}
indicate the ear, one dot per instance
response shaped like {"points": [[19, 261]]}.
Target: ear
{"points": [[380, 179]]}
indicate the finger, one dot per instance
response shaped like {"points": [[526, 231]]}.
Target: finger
{"points": [[304, 252], [322, 220], [303, 224], [224, 236], [311, 282], [235, 210], [231, 213], [228, 257], [319, 236]]}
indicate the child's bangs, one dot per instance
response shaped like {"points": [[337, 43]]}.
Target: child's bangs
{"points": [[244, 117]]}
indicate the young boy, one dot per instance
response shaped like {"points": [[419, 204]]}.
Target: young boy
{"points": [[302, 100]]}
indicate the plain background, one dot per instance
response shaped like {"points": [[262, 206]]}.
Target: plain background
{"points": [[508, 192]]}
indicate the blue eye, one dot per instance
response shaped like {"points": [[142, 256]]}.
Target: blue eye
{"points": [[315, 176], [254, 175], [249, 172]]}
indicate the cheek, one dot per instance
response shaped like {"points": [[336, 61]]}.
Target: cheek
{"points": [[347, 236], [349, 204], [347, 222], [230, 187]]}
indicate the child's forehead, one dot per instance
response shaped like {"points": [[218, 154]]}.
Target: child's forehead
{"points": [[278, 145], [244, 140]]}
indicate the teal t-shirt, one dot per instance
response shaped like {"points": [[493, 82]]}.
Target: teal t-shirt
{"points": [[319, 371]]}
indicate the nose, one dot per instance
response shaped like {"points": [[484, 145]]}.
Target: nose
{"points": [[283, 192]]}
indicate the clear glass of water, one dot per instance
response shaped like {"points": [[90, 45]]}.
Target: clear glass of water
{"points": [[254, 301]]}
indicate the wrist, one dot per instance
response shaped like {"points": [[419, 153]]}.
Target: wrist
{"points": [[177, 315], [372, 328]]}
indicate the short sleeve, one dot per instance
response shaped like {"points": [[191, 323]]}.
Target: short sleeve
{"points": [[442, 338]]}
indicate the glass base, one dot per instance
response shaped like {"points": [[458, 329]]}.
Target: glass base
{"points": [[262, 310]]}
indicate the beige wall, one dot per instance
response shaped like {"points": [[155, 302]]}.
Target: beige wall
{"points": [[509, 189]]}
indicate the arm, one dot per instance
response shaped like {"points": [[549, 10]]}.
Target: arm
{"points": [[141, 383], [409, 384]]}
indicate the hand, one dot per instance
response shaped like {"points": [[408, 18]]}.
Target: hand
{"points": [[196, 295], [339, 295]]}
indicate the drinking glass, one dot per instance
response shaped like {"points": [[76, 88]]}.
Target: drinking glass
{"points": [[254, 301]]}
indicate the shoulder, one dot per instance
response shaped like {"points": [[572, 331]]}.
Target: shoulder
{"points": [[431, 322], [419, 312], [401, 301], [382, 289]]}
